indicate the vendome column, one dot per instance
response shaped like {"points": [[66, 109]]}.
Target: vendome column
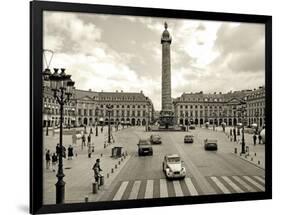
{"points": [[166, 115]]}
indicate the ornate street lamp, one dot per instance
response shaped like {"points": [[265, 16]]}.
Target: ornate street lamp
{"points": [[62, 87], [109, 109]]}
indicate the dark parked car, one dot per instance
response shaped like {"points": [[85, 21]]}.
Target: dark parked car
{"points": [[144, 147], [192, 127], [155, 139], [188, 139], [210, 144]]}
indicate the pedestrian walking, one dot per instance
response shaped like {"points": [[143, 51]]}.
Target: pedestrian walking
{"points": [[234, 134], [48, 159], [230, 132], [91, 130], [254, 139], [89, 150], [58, 149], [54, 161], [260, 140], [89, 138], [70, 152], [97, 171], [83, 141], [101, 129]]}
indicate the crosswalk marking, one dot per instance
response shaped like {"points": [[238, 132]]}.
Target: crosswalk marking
{"points": [[254, 183], [163, 188], [149, 189], [135, 190], [226, 184], [244, 184], [259, 179], [121, 190], [232, 184], [190, 187], [220, 185], [177, 188]]}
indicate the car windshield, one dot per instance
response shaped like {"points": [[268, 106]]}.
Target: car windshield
{"points": [[173, 160]]}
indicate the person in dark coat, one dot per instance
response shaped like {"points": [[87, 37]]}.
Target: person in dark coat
{"points": [[48, 159], [89, 138], [230, 132], [254, 139], [83, 140], [234, 134], [54, 161], [70, 152], [260, 140], [97, 171], [58, 149]]}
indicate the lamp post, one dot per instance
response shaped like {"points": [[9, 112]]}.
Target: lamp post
{"points": [[47, 112], [109, 109], [97, 117], [242, 110], [62, 87], [234, 123]]}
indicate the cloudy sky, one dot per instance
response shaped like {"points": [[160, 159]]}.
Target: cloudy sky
{"points": [[110, 52]]}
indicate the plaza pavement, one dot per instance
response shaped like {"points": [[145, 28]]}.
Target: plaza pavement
{"points": [[79, 174]]}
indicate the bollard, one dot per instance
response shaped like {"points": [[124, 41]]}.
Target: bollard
{"points": [[104, 146], [86, 199], [255, 154], [112, 170], [121, 159], [235, 150], [101, 180], [101, 154], [107, 175], [252, 158], [95, 187], [119, 162], [230, 139], [259, 162], [115, 166]]}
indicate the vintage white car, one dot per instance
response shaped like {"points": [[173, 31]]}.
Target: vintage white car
{"points": [[173, 166]]}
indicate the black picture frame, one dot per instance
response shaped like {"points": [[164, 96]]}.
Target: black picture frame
{"points": [[36, 141]]}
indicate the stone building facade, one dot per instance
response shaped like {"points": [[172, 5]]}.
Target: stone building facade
{"points": [[89, 108], [199, 108]]}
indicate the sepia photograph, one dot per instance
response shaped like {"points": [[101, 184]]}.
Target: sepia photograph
{"points": [[139, 107]]}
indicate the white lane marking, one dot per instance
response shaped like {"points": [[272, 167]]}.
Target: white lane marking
{"points": [[254, 183], [135, 190], [177, 188], [190, 186], [259, 178], [163, 188], [243, 183], [149, 190], [219, 184], [120, 191], [232, 184]]}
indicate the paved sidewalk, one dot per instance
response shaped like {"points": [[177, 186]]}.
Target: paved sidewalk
{"points": [[79, 175]]}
